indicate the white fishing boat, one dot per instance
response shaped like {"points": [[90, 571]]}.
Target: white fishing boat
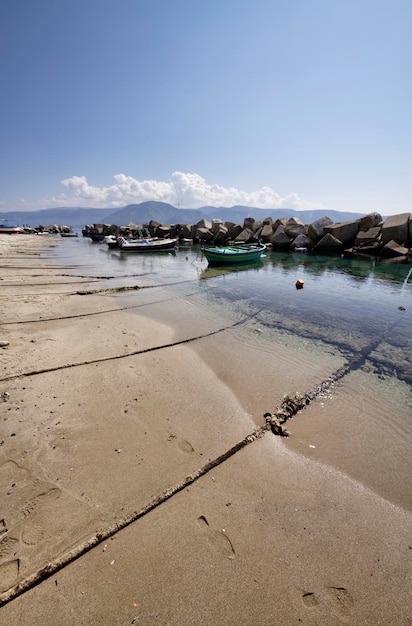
{"points": [[146, 245]]}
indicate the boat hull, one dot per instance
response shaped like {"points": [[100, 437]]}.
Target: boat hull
{"points": [[234, 255], [146, 246], [7, 228]]}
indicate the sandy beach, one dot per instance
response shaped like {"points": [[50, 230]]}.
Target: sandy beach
{"points": [[139, 486]]}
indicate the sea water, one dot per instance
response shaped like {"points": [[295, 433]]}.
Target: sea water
{"points": [[347, 303], [355, 310]]}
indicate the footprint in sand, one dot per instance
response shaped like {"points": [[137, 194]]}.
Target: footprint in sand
{"points": [[182, 444], [12, 472], [310, 600], [338, 599], [342, 602], [7, 546], [41, 500], [33, 535], [9, 573], [3, 527], [185, 446], [217, 538], [33, 531]]}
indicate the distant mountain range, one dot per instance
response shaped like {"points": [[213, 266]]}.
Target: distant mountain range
{"points": [[164, 213]]}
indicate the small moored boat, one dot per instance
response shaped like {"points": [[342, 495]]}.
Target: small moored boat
{"points": [[238, 253], [111, 241], [146, 245], [7, 227]]}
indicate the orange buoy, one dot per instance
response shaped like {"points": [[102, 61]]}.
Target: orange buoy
{"points": [[299, 283]]}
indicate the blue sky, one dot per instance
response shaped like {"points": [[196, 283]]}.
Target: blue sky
{"points": [[269, 103]]}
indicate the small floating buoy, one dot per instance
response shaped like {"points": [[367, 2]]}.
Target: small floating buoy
{"points": [[299, 283]]}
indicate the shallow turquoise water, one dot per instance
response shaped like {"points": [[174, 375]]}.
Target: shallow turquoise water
{"points": [[354, 312], [349, 304]]}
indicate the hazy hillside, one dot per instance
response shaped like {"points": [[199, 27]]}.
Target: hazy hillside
{"points": [[74, 217], [152, 210], [168, 214], [164, 213], [239, 213]]}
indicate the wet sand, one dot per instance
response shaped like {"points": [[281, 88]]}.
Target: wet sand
{"points": [[102, 439]]}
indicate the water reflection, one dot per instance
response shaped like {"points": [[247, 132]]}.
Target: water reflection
{"points": [[359, 268], [213, 272]]}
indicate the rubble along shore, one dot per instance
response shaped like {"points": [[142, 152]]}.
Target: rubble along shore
{"points": [[369, 235]]}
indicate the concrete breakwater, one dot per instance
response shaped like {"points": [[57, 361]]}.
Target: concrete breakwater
{"points": [[370, 235]]}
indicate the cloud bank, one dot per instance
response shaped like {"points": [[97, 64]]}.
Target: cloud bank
{"points": [[183, 190]]}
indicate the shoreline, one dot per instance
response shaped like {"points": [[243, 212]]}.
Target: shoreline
{"points": [[344, 428], [268, 535]]}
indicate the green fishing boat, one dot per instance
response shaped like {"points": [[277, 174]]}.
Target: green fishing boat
{"points": [[238, 253]]}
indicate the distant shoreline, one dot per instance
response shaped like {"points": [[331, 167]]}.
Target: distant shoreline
{"points": [[78, 217]]}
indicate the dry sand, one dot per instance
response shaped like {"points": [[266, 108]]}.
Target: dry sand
{"points": [[102, 439]]}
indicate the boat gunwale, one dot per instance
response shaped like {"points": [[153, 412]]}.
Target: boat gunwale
{"points": [[235, 249]]}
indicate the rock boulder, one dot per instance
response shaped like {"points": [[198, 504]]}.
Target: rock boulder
{"points": [[393, 249], [317, 229], [344, 231], [280, 238], [396, 227], [328, 245]]}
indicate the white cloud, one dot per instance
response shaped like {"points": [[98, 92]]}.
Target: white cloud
{"points": [[183, 189]]}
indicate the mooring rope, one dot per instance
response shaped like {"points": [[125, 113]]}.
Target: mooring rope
{"points": [[291, 405], [52, 567]]}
